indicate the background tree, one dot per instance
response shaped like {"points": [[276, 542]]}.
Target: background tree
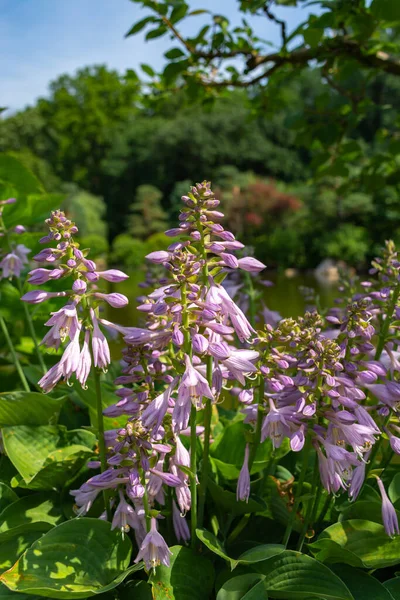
{"points": [[147, 216]]}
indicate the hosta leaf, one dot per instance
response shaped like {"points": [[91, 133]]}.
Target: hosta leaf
{"points": [[7, 496], [394, 488], [37, 511], [366, 540], [241, 587], [295, 576], [6, 594], [393, 585], [78, 559], [227, 500], [189, 577], [326, 550], [19, 408], [229, 448], [47, 456], [12, 548], [260, 553], [362, 585]]}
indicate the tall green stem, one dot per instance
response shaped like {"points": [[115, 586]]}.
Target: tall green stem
{"points": [[386, 324], [26, 310], [206, 449], [193, 478], [260, 414], [100, 430], [146, 504], [34, 338], [311, 505], [14, 355], [208, 404], [299, 491]]}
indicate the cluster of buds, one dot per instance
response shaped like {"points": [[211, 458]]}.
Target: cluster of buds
{"points": [[78, 321], [14, 261]]}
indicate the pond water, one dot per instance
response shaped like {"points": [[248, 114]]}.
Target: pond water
{"points": [[284, 295]]}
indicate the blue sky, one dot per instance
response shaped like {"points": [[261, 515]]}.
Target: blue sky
{"points": [[41, 39]]}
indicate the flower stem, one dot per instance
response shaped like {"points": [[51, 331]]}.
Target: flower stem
{"points": [[34, 338], [146, 504], [325, 508], [299, 491], [14, 355], [100, 429], [260, 415], [313, 502], [206, 449], [386, 324], [193, 478]]}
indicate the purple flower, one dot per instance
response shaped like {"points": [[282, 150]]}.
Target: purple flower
{"points": [[38, 296], [219, 296], [64, 323], [11, 266], [357, 480], [154, 414], [49, 381], [115, 300], [181, 528], [229, 260], [113, 275], [154, 550], [389, 515], [243, 484], [85, 362], [19, 229], [101, 351], [251, 264], [199, 343], [39, 276], [70, 359], [79, 286], [159, 257], [192, 388], [125, 516]]}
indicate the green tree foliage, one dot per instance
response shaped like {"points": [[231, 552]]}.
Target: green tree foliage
{"points": [[86, 210], [147, 216]]}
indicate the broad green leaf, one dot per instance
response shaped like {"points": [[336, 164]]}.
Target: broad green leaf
{"points": [[40, 205], [295, 576], [6, 594], [388, 10], [9, 300], [366, 540], [361, 585], [393, 585], [88, 397], [20, 408], [12, 547], [189, 577], [7, 496], [77, 559], [363, 509], [394, 488], [326, 550], [46, 456], [260, 553], [230, 445], [227, 500], [239, 588], [37, 511], [213, 544]]}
